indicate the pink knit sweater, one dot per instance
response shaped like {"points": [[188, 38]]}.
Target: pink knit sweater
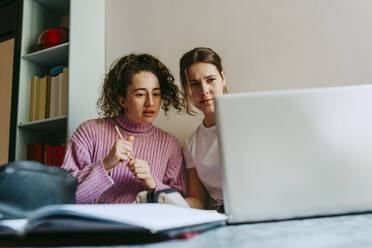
{"points": [[93, 140]]}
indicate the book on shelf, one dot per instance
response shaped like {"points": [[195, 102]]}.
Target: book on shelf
{"points": [[49, 96], [58, 154], [46, 153], [131, 222], [38, 98], [33, 98], [62, 92], [35, 152], [42, 98], [47, 100], [53, 112]]}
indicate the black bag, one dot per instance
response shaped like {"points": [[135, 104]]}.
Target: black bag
{"points": [[28, 185]]}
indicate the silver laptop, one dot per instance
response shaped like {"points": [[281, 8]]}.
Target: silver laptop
{"points": [[296, 153]]}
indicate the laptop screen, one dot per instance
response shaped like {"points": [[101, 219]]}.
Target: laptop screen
{"points": [[296, 153]]}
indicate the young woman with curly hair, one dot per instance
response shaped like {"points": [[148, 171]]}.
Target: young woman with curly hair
{"points": [[121, 154]]}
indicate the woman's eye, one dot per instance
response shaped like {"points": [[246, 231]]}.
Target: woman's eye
{"points": [[157, 94], [140, 95], [211, 80], [194, 83]]}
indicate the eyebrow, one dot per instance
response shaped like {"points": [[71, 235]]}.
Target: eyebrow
{"points": [[208, 76], [137, 89]]}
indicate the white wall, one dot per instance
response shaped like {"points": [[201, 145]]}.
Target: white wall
{"points": [[86, 60], [264, 44]]}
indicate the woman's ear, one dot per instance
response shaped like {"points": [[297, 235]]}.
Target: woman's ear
{"points": [[223, 79], [121, 101]]}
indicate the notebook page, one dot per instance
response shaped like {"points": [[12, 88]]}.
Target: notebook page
{"points": [[16, 225], [155, 217]]}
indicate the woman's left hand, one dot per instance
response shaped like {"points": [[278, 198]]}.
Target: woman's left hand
{"points": [[141, 171]]}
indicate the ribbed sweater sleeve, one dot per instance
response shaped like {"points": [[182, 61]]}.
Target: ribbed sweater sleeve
{"points": [[175, 175], [93, 179]]}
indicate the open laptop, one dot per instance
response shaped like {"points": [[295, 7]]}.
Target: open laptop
{"points": [[296, 153]]}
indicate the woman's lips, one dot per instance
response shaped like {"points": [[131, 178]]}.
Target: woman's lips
{"points": [[148, 113], [207, 101]]}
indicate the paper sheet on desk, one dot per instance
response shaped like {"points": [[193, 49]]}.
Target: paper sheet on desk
{"points": [[8, 226], [155, 217]]}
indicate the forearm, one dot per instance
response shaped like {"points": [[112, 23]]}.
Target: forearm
{"points": [[175, 177], [195, 202], [94, 184], [82, 162], [92, 178]]}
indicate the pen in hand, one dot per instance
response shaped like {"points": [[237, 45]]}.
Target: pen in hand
{"points": [[140, 169], [121, 137]]}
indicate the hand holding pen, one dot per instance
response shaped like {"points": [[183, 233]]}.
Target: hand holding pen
{"points": [[120, 151]]}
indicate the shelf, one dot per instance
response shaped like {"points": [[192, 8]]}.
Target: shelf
{"points": [[60, 7], [56, 124], [57, 55]]}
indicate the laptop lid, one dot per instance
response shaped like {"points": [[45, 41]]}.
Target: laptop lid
{"points": [[296, 153]]}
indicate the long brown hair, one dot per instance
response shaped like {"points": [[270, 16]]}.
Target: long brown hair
{"points": [[120, 76], [196, 55]]}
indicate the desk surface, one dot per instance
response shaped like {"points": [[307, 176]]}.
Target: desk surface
{"points": [[342, 231]]}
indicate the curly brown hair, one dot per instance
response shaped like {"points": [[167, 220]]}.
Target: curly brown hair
{"points": [[196, 55], [120, 77]]}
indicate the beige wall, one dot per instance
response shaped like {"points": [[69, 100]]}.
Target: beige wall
{"points": [[265, 44], [6, 72]]}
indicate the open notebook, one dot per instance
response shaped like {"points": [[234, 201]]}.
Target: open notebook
{"points": [[161, 220]]}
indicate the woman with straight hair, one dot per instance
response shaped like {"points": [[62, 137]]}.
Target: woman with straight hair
{"points": [[202, 78]]}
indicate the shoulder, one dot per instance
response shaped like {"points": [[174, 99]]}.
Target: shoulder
{"points": [[89, 128], [194, 138], [93, 124], [166, 141], [96, 122], [190, 146], [167, 137]]}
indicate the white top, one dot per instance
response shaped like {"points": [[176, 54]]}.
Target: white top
{"points": [[201, 152]]}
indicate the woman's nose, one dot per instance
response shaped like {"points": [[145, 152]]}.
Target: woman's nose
{"points": [[149, 100], [204, 88]]}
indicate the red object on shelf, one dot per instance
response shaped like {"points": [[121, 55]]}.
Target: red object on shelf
{"points": [[52, 37], [58, 154], [48, 154], [35, 152]]}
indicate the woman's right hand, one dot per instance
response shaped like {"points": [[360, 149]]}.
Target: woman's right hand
{"points": [[120, 151]]}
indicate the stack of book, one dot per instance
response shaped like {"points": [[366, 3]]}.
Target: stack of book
{"points": [[46, 153], [49, 96]]}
